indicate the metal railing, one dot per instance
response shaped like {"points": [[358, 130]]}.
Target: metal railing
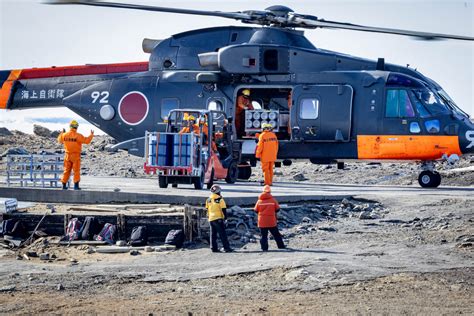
{"points": [[44, 170]]}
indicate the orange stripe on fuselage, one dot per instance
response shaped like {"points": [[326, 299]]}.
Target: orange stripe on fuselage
{"points": [[406, 147], [7, 86]]}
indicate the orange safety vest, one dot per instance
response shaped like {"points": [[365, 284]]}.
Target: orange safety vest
{"points": [[267, 147], [73, 141]]}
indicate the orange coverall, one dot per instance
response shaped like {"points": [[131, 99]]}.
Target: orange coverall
{"points": [[73, 141], [267, 150], [243, 103]]}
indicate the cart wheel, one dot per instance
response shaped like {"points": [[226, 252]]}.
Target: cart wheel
{"points": [[211, 180], [232, 173], [199, 182], [162, 182]]}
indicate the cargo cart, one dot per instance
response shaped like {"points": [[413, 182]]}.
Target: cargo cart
{"points": [[196, 149]]}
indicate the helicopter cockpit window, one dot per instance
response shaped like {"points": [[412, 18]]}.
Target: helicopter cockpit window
{"points": [[309, 109], [451, 103], [422, 111], [398, 104], [167, 105], [431, 101]]}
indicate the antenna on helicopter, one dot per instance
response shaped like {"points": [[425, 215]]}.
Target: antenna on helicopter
{"points": [[276, 16]]}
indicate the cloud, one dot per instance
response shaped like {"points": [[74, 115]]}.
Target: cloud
{"points": [[54, 120]]}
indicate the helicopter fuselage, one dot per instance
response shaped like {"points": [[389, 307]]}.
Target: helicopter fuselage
{"points": [[332, 106]]}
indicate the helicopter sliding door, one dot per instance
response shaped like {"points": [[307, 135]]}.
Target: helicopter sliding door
{"points": [[321, 113]]}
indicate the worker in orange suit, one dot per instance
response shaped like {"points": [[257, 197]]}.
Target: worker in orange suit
{"points": [[190, 126], [73, 141], [267, 208], [267, 151], [243, 103]]}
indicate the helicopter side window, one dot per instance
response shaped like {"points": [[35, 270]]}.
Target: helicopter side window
{"points": [[167, 105], [398, 104], [215, 105], [309, 109]]}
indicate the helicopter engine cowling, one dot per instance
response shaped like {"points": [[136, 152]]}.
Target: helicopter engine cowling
{"points": [[254, 59]]}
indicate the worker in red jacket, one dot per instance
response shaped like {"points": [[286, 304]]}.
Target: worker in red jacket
{"points": [[267, 208]]}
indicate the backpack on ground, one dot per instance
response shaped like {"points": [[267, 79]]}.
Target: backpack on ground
{"points": [[139, 236], [73, 229], [107, 233], [90, 228], [7, 226], [175, 237]]}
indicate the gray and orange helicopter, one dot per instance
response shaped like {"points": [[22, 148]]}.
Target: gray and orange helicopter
{"points": [[325, 106]]}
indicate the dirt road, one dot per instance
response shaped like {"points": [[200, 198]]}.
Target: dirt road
{"points": [[416, 258]]}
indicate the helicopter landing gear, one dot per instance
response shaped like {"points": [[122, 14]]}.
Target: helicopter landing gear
{"points": [[244, 171], [429, 178]]}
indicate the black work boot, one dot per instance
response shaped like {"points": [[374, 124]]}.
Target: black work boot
{"points": [[76, 186], [64, 186]]}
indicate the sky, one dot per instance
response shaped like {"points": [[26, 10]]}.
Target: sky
{"points": [[37, 35]]}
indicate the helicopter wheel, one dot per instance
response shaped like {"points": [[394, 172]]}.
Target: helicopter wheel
{"points": [[244, 172], [232, 173], [211, 180], [162, 182], [429, 179]]}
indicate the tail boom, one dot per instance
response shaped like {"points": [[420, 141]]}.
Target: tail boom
{"points": [[43, 87]]}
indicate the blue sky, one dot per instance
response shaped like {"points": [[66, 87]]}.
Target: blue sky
{"points": [[36, 35]]}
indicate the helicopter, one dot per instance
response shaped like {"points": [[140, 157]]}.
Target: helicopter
{"points": [[325, 106]]}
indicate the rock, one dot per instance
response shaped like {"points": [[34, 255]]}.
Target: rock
{"points": [[10, 288], [31, 254], [121, 243], [15, 151], [296, 275], [306, 220], [149, 249], [237, 210], [465, 245], [365, 215], [134, 252], [299, 177], [55, 134], [5, 132], [72, 260], [327, 228], [116, 190], [41, 131], [60, 287], [44, 256]]}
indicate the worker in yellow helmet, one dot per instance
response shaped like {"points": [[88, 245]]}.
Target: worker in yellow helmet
{"points": [[191, 126], [267, 152], [73, 141], [243, 103]]}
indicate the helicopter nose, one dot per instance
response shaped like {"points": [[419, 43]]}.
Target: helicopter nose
{"points": [[466, 139]]}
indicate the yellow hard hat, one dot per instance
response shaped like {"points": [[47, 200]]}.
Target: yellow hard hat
{"points": [[267, 125], [74, 124], [246, 92], [190, 118]]}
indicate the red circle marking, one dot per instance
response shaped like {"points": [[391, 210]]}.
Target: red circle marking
{"points": [[133, 108]]}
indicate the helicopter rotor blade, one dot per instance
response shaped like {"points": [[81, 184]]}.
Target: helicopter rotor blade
{"points": [[231, 15], [320, 23], [277, 16]]}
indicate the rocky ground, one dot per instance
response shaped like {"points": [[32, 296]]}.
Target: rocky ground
{"points": [[97, 161], [380, 254]]}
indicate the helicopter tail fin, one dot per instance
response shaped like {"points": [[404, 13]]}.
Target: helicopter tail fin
{"points": [[7, 82]]}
